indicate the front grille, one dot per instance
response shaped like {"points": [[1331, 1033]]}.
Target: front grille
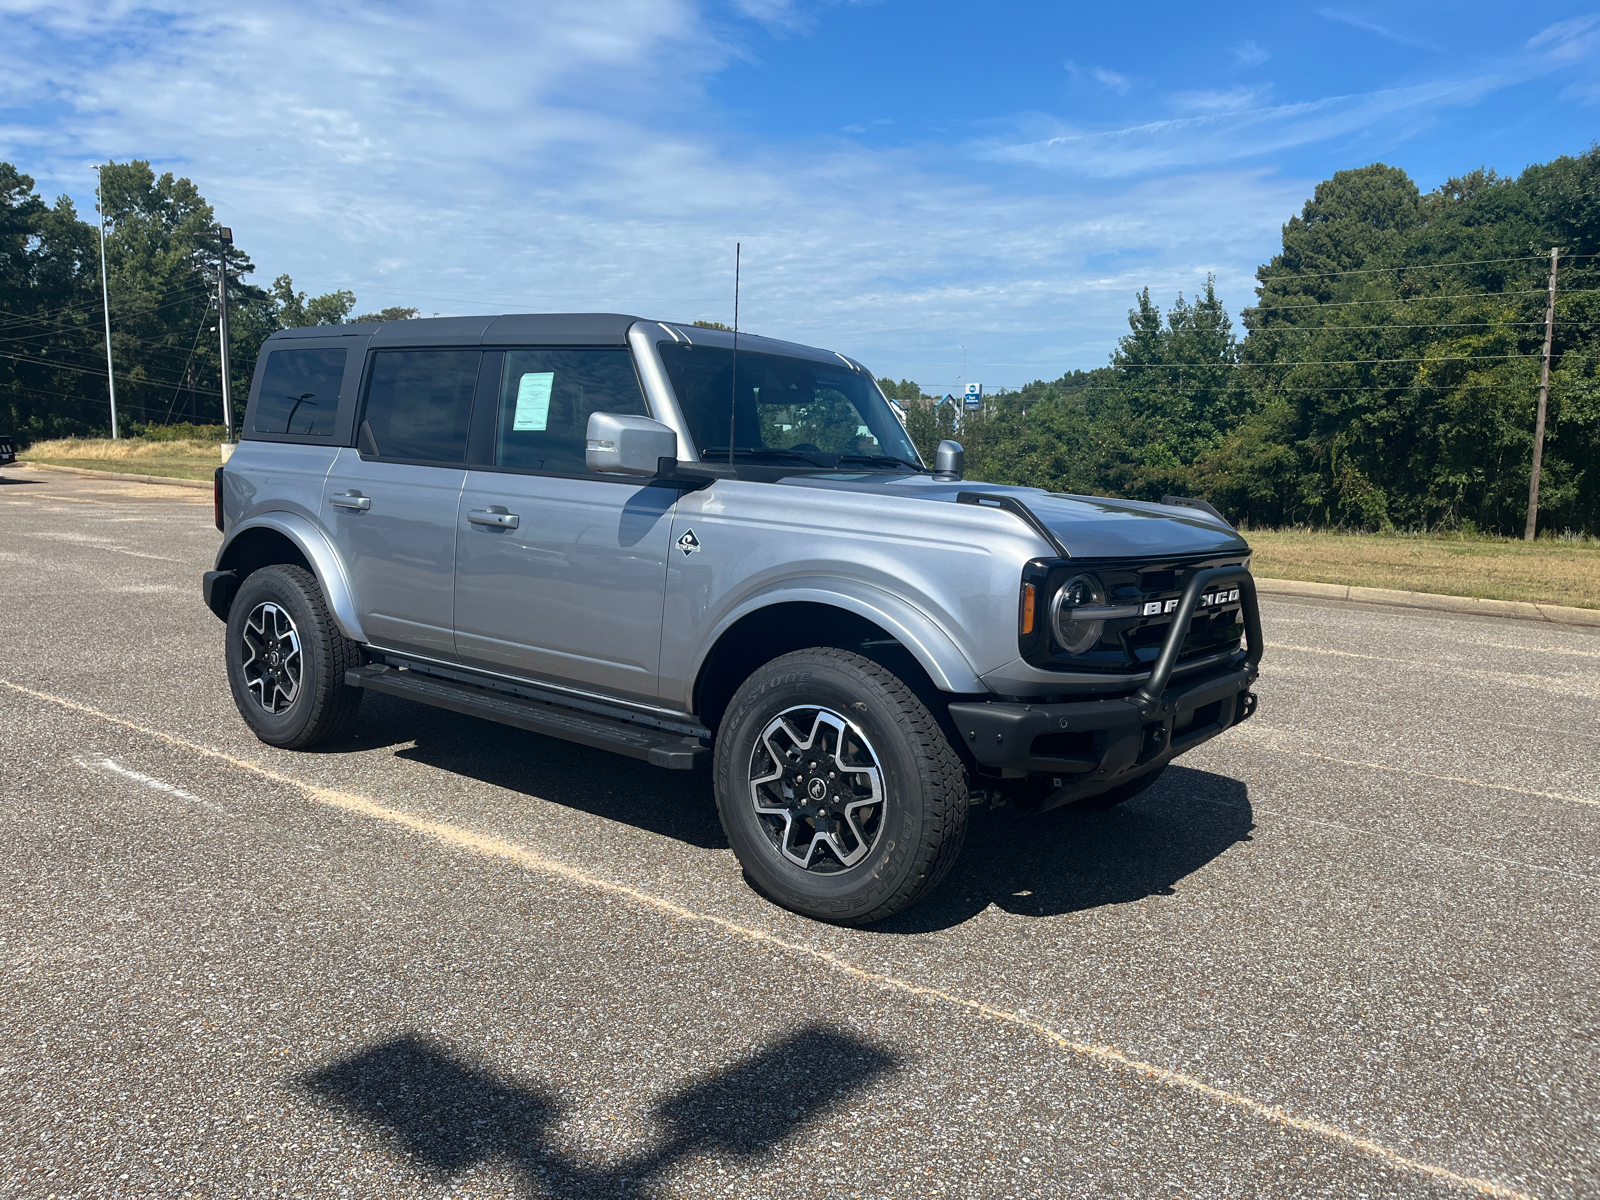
{"points": [[1130, 645]]}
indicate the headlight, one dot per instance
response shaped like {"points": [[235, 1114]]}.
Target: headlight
{"points": [[1075, 635]]}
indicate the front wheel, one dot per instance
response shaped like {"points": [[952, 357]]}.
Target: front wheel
{"points": [[838, 791]]}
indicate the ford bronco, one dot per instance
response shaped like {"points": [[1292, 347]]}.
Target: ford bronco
{"points": [[657, 540]]}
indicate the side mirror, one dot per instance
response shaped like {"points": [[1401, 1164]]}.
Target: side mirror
{"points": [[622, 445], [949, 461]]}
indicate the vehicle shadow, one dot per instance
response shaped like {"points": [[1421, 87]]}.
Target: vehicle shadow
{"points": [[448, 1114], [1069, 861], [674, 804], [1038, 866]]}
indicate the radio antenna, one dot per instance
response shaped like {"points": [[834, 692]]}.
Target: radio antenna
{"points": [[733, 403]]}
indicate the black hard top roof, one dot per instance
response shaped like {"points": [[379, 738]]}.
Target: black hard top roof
{"points": [[547, 329]]}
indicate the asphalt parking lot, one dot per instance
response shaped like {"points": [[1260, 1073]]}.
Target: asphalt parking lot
{"points": [[1347, 950]]}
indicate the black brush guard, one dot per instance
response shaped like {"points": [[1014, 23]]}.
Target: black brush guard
{"points": [[1094, 745]]}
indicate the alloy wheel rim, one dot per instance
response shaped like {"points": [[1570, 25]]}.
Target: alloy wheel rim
{"points": [[817, 789], [272, 659]]}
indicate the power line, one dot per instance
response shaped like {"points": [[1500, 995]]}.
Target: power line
{"points": [[1322, 362], [1403, 300], [1066, 392], [178, 391], [142, 351], [43, 362], [38, 319], [1435, 325], [1473, 262]]}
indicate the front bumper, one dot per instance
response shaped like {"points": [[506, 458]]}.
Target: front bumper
{"points": [[1091, 746], [1094, 745]]}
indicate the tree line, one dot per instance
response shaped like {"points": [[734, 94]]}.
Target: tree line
{"points": [[162, 257], [1385, 376]]}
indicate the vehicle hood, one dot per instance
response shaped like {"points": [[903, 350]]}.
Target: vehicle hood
{"points": [[1089, 526]]}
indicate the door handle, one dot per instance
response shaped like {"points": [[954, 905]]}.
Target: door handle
{"points": [[351, 499], [496, 520]]}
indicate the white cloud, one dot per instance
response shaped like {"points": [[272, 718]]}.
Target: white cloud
{"points": [[1227, 136], [1568, 41], [1355, 22], [1120, 84], [1248, 54], [1117, 83], [563, 156], [1235, 99]]}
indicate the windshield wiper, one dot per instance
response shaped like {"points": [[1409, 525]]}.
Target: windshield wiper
{"points": [[880, 460], [720, 453]]}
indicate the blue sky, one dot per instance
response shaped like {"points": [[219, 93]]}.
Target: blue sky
{"points": [[907, 179]]}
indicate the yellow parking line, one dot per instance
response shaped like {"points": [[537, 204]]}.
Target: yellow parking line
{"points": [[498, 848]]}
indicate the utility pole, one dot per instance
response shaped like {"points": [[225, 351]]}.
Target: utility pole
{"points": [[105, 297], [226, 236], [1544, 399]]}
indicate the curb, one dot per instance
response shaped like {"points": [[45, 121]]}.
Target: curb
{"points": [[1520, 610], [166, 479]]}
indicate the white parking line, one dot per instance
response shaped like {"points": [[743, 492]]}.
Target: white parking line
{"points": [[150, 781], [94, 543], [489, 846], [1258, 739]]}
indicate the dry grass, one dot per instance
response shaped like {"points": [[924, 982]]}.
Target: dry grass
{"points": [[1547, 571], [179, 459]]}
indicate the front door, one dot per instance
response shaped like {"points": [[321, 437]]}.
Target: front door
{"points": [[560, 572], [390, 504]]}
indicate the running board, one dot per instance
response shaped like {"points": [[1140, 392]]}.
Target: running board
{"points": [[655, 746]]}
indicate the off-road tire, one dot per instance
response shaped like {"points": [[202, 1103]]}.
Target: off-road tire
{"points": [[323, 706], [1120, 794], [924, 784]]}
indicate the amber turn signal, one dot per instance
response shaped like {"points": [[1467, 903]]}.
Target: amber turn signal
{"points": [[1030, 598]]}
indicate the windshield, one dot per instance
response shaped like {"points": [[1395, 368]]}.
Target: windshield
{"points": [[785, 410]]}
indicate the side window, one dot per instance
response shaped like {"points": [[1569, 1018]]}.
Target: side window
{"points": [[546, 397], [300, 392], [419, 404]]}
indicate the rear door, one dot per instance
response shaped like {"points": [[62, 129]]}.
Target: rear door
{"points": [[390, 503], [560, 572]]}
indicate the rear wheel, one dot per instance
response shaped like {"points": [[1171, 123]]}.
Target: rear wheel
{"points": [[287, 659], [838, 791]]}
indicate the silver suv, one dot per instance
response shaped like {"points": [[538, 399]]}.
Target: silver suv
{"points": [[651, 539]]}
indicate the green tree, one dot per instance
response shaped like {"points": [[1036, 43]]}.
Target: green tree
{"points": [[393, 313], [294, 311], [50, 382]]}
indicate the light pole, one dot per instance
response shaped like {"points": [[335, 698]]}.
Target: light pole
{"points": [[105, 297], [225, 235]]}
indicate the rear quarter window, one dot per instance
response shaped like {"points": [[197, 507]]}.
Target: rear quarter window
{"points": [[419, 403], [300, 393]]}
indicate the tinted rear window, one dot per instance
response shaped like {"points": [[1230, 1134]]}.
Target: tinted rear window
{"points": [[546, 397], [300, 392], [419, 403]]}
